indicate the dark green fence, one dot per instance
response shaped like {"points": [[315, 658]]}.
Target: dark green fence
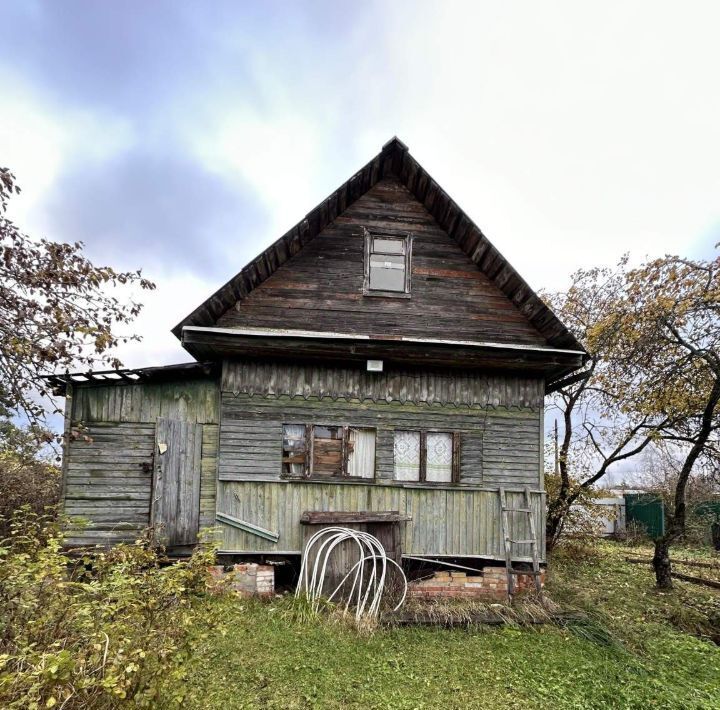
{"points": [[647, 511], [709, 509]]}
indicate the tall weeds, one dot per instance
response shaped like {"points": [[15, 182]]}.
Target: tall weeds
{"points": [[93, 632]]}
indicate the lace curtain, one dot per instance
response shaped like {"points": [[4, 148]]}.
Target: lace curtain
{"points": [[438, 467], [407, 455]]}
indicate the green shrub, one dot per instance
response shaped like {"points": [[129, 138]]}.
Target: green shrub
{"points": [[95, 632]]}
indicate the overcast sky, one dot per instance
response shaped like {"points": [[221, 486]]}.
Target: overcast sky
{"points": [[184, 137]]}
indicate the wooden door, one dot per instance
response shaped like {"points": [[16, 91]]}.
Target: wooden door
{"points": [[176, 482]]}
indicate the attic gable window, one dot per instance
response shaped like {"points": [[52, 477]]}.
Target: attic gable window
{"points": [[387, 264]]}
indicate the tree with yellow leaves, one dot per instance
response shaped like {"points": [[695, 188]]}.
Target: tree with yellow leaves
{"points": [[665, 368]]}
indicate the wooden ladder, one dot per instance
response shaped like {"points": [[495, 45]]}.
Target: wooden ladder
{"points": [[505, 513]]}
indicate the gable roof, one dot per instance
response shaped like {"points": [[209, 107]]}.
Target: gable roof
{"points": [[393, 160]]}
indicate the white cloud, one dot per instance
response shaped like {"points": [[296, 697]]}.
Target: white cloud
{"points": [[176, 296], [37, 138], [256, 148], [570, 132]]}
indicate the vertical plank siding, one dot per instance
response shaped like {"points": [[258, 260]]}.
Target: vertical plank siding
{"points": [[175, 507], [448, 387], [208, 474], [461, 522], [108, 470], [191, 400]]}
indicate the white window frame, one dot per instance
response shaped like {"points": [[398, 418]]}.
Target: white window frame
{"points": [[371, 250]]}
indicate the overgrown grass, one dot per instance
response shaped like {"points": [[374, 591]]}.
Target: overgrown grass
{"points": [[631, 649], [623, 597], [126, 631]]}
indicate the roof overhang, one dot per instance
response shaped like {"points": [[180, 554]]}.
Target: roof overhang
{"points": [[212, 343]]}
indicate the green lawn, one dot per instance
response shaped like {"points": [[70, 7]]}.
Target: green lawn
{"points": [[250, 655]]}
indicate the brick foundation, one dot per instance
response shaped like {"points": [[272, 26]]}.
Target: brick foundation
{"points": [[247, 579], [492, 584]]}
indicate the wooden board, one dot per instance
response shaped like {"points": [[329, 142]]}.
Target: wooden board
{"points": [[107, 482], [338, 517], [346, 555], [191, 400], [422, 386], [176, 481], [497, 444]]}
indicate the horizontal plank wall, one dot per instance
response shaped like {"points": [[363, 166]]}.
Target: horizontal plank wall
{"points": [[496, 445], [109, 468], [499, 421], [108, 482], [444, 522], [320, 288]]}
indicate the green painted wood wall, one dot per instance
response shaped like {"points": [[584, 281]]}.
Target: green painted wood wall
{"points": [[447, 521], [108, 477], [109, 474]]}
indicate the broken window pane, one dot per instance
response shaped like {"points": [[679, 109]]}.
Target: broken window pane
{"points": [[361, 453], [327, 451], [294, 449], [439, 458], [407, 455]]}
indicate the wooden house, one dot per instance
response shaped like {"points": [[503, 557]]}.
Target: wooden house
{"points": [[381, 364]]}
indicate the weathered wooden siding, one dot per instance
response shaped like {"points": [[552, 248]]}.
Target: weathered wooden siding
{"points": [[498, 445], [449, 387], [108, 482], [321, 286], [190, 400], [108, 477], [208, 467], [498, 418], [445, 521]]}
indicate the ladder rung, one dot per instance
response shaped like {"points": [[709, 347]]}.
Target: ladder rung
{"points": [[521, 542], [530, 573], [517, 510]]}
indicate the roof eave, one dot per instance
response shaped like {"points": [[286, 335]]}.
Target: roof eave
{"points": [[255, 343]]}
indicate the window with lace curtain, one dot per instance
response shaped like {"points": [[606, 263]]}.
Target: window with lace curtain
{"points": [[427, 456]]}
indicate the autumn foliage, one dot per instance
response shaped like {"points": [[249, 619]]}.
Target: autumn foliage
{"points": [[58, 311]]}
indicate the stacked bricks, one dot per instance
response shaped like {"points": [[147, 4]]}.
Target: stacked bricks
{"points": [[492, 584], [247, 579]]}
